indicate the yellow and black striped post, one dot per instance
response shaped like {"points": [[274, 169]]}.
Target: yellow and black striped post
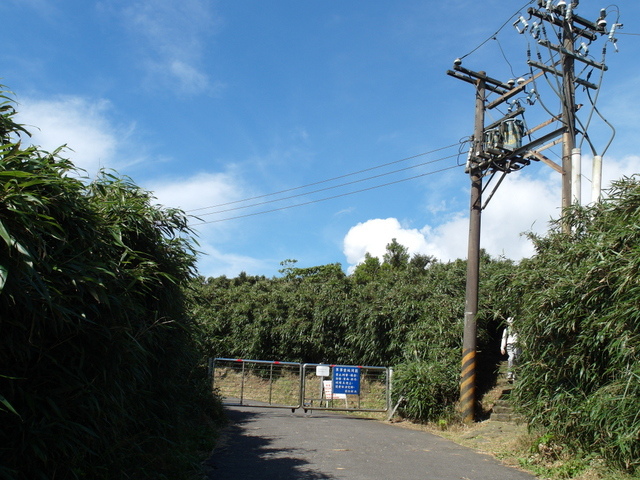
{"points": [[468, 386]]}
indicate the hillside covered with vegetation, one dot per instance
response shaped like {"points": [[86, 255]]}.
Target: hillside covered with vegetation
{"points": [[402, 311], [580, 326], [576, 309]]}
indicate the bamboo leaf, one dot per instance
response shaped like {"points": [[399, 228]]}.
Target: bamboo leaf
{"points": [[7, 406], [4, 234], [4, 273]]}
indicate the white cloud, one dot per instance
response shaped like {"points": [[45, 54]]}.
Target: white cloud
{"points": [[521, 204], [188, 76], [95, 142], [449, 240], [93, 139], [374, 235], [199, 195], [173, 35], [200, 190], [614, 169], [214, 263]]}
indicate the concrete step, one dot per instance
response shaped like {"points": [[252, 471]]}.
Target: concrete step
{"points": [[502, 410], [506, 417]]}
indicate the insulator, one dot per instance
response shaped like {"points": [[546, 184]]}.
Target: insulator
{"points": [[521, 25], [535, 30], [583, 50]]}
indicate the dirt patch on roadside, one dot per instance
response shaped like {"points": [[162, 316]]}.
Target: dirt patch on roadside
{"points": [[503, 440]]}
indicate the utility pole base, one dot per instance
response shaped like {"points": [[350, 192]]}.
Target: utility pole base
{"points": [[468, 386]]}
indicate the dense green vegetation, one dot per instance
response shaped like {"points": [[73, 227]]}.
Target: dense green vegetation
{"points": [[580, 325], [402, 311], [97, 364]]}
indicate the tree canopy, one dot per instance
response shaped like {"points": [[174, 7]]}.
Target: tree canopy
{"points": [[401, 310]]}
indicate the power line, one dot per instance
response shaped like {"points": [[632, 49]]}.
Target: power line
{"points": [[329, 179], [505, 57], [329, 198], [497, 31], [331, 187]]}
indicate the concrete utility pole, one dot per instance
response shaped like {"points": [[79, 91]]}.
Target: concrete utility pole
{"points": [[568, 117]]}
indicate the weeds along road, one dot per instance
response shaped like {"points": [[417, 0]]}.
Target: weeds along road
{"points": [[262, 443]]}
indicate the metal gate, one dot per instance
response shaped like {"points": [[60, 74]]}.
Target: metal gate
{"points": [[346, 387], [295, 385], [257, 382]]}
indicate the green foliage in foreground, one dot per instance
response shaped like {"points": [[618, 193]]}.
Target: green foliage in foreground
{"points": [[580, 328], [97, 366]]}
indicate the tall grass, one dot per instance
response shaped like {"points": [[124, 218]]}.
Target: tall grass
{"points": [[430, 387], [97, 364], [580, 329]]}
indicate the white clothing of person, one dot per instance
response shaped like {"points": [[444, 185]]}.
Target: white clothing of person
{"points": [[509, 345]]}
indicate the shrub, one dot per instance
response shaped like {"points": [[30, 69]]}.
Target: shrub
{"points": [[580, 328], [430, 388]]}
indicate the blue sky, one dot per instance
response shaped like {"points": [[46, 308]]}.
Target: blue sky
{"points": [[210, 103]]}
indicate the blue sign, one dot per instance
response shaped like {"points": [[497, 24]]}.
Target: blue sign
{"points": [[346, 380]]}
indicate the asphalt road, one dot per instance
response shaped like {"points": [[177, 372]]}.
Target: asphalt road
{"points": [[272, 444]]}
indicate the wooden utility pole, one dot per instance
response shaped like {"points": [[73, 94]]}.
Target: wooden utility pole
{"points": [[483, 159], [469, 341], [572, 27]]}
